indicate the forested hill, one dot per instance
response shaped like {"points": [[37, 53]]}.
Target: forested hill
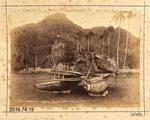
{"points": [[32, 41]]}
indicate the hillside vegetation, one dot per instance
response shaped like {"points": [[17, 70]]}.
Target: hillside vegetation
{"points": [[34, 42]]}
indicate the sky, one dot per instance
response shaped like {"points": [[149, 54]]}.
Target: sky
{"points": [[85, 17]]}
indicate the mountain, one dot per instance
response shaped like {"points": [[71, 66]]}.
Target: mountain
{"points": [[37, 40]]}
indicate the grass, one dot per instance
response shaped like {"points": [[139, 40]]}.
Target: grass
{"points": [[125, 92]]}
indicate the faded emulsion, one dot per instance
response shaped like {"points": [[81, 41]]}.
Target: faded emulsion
{"points": [[56, 61]]}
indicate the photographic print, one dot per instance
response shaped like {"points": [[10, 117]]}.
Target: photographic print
{"points": [[60, 60], [71, 58]]}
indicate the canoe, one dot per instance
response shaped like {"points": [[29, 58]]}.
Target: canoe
{"points": [[58, 84], [97, 86], [66, 74]]}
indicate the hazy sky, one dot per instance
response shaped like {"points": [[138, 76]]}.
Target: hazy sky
{"points": [[86, 18]]}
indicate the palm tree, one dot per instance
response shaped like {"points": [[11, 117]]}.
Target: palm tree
{"points": [[109, 30], [118, 17], [105, 37], [77, 38], [89, 35], [108, 42], [129, 16], [25, 56], [35, 61], [103, 47], [35, 58], [80, 34]]}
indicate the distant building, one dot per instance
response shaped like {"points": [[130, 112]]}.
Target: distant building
{"points": [[60, 66]]}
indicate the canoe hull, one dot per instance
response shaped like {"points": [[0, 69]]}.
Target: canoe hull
{"points": [[57, 85], [66, 74]]}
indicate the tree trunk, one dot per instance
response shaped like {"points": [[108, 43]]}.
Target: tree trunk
{"points": [[103, 46], [53, 62], [88, 44], [35, 62], [77, 48], [118, 47], [126, 49], [108, 40]]}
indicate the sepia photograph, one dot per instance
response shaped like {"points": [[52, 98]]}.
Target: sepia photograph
{"points": [[75, 58]]}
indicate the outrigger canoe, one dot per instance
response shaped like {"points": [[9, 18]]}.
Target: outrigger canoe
{"points": [[94, 86], [59, 84], [66, 74]]}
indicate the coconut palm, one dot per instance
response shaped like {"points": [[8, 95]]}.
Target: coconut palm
{"points": [[25, 56], [118, 17], [109, 30], [35, 58], [105, 37], [101, 37], [103, 46], [89, 35], [129, 16], [79, 34], [108, 42]]}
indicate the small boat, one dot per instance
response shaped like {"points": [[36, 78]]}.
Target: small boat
{"points": [[59, 84], [66, 74], [64, 82], [97, 86]]}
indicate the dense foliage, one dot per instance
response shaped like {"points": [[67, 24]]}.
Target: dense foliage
{"points": [[34, 42]]}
